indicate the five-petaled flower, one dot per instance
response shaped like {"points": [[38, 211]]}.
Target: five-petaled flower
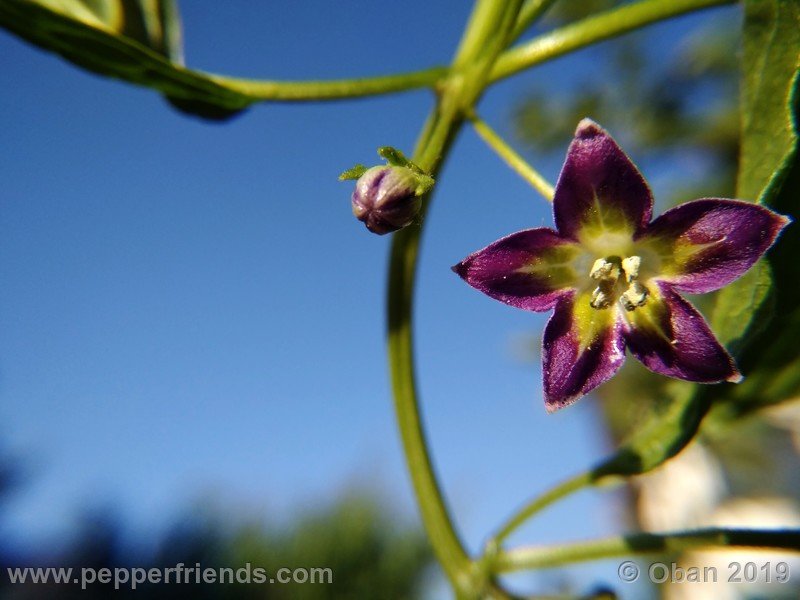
{"points": [[613, 275]]}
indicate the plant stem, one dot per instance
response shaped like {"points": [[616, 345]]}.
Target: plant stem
{"points": [[530, 13], [476, 63], [563, 489], [485, 37], [591, 30], [309, 91], [543, 557], [514, 160], [657, 440]]}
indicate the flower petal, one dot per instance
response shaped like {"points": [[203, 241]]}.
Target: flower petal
{"points": [[582, 347], [706, 244], [599, 191], [530, 269], [670, 337]]}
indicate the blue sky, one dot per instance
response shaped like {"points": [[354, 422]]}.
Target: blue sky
{"points": [[190, 311]]}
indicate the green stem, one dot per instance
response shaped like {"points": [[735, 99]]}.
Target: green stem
{"points": [[655, 442], [475, 64], [485, 37], [530, 13], [514, 160], [543, 557], [539, 503], [298, 91], [594, 29]]}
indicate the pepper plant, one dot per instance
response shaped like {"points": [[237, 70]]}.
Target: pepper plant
{"points": [[610, 272]]}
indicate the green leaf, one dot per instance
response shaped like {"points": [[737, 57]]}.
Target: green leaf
{"points": [[768, 147], [770, 68], [744, 312], [671, 423], [138, 41], [750, 311], [771, 364]]}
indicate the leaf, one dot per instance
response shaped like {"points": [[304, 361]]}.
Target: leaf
{"points": [[770, 68], [771, 363], [739, 317], [671, 425], [138, 41], [768, 147], [769, 173]]}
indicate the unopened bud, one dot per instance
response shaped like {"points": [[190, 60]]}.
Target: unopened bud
{"points": [[387, 198]]}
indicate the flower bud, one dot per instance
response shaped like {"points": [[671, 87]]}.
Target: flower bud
{"points": [[387, 198]]}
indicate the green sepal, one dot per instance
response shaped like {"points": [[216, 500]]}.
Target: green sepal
{"points": [[424, 183], [353, 172], [396, 158], [393, 156]]}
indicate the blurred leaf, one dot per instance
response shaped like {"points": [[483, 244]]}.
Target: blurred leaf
{"points": [[769, 172], [138, 41], [770, 64], [771, 363], [751, 302], [671, 423], [768, 156]]}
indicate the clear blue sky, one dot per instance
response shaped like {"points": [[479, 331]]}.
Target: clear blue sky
{"points": [[190, 311]]}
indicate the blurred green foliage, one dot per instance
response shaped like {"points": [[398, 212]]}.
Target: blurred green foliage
{"points": [[684, 103], [368, 553]]}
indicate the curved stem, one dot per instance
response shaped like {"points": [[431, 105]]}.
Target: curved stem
{"points": [[512, 158], [485, 37], [544, 557], [299, 91], [539, 503], [594, 29], [659, 439]]}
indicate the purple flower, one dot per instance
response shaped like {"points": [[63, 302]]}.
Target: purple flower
{"points": [[613, 275]]}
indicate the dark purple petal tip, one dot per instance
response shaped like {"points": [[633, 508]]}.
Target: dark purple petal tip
{"points": [[588, 129], [671, 338], [714, 241], [572, 367], [517, 269], [599, 186]]}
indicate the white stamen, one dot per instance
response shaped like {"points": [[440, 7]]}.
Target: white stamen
{"points": [[600, 298], [603, 294], [604, 270], [635, 295], [631, 267]]}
